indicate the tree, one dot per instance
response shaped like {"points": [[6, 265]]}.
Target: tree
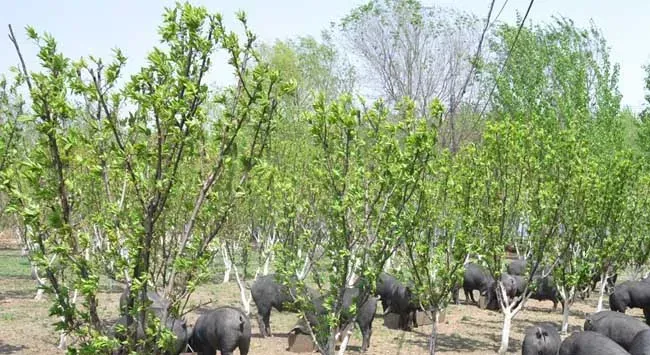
{"points": [[423, 53], [11, 110], [366, 171], [146, 163], [559, 81], [437, 230], [315, 66]]}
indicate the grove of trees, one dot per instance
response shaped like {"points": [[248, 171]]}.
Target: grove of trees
{"points": [[479, 137]]}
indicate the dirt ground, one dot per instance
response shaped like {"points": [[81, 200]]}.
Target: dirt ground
{"points": [[25, 327]]}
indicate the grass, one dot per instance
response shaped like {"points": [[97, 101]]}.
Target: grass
{"points": [[13, 265]]}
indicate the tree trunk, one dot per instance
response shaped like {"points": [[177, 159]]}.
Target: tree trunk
{"points": [[434, 331], [306, 266], [346, 337], [601, 294], [388, 264], [39, 282], [267, 264], [62, 338], [227, 263], [330, 347], [567, 300], [517, 250], [509, 309], [245, 300], [505, 333], [565, 316]]}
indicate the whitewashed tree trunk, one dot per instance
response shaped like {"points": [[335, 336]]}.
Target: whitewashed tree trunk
{"points": [[305, 269], [509, 311], [39, 282], [352, 275], [434, 332], [505, 332], [227, 263], [636, 272], [466, 259], [62, 337], [517, 251], [601, 293], [244, 293], [267, 243], [346, 338], [389, 264], [567, 300], [565, 317], [267, 265]]}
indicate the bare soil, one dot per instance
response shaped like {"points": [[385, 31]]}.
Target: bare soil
{"points": [[25, 327]]}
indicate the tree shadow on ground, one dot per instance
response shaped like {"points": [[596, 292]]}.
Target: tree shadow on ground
{"points": [[114, 288], [14, 276], [514, 345], [11, 349], [18, 294], [496, 324], [572, 312], [275, 335], [351, 348], [543, 309], [450, 343]]}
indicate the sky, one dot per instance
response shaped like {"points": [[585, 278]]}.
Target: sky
{"points": [[94, 27]]}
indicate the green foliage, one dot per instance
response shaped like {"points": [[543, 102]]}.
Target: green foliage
{"points": [[555, 158], [643, 135], [135, 194], [367, 169], [440, 229], [11, 136], [143, 182], [316, 67]]}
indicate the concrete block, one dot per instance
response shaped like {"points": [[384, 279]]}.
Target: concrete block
{"points": [[422, 318], [442, 316], [482, 302], [391, 321], [300, 343]]}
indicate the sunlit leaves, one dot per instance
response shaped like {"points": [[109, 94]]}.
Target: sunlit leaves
{"points": [[109, 188]]}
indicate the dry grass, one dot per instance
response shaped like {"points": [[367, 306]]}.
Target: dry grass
{"points": [[25, 327]]}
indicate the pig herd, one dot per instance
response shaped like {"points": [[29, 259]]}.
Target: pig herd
{"points": [[226, 329], [605, 333]]}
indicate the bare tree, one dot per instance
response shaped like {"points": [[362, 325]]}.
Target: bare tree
{"points": [[405, 49]]}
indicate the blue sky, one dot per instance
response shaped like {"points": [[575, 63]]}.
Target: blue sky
{"points": [[85, 27]]}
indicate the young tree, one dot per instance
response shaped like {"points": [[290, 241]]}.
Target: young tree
{"points": [[437, 229], [560, 82], [367, 169], [166, 197]]}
